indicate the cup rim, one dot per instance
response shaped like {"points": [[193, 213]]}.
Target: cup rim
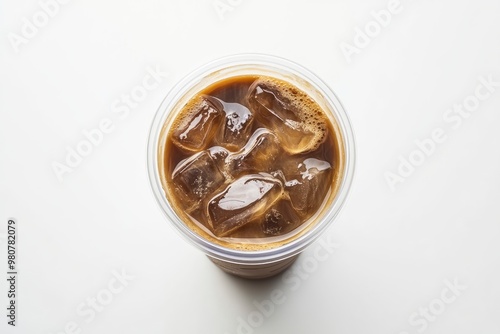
{"points": [[258, 256]]}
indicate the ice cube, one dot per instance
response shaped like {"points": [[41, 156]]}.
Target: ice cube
{"points": [[242, 201], [197, 127], [280, 219], [258, 155], [237, 125], [307, 183], [195, 178], [289, 113]]}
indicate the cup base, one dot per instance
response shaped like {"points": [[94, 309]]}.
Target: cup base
{"points": [[258, 271]]}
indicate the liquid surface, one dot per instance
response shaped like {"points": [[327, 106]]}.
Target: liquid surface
{"points": [[250, 158]]}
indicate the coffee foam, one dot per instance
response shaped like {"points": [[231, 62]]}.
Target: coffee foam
{"points": [[312, 117]]}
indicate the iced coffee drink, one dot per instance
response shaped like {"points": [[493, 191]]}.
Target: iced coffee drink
{"points": [[250, 158]]}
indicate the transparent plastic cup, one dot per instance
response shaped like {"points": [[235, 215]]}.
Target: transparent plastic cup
{"points": [[264, 262]]}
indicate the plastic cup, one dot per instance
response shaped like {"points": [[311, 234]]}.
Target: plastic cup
{"points": [[266, 262]]}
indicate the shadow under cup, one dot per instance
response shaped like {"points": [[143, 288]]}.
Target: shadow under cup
{"points": [[270, 256]]}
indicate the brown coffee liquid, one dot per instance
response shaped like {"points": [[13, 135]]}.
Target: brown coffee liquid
{"points": [[249, 161]]}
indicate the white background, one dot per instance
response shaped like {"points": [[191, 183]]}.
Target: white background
{"points": [[396, 248]]}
